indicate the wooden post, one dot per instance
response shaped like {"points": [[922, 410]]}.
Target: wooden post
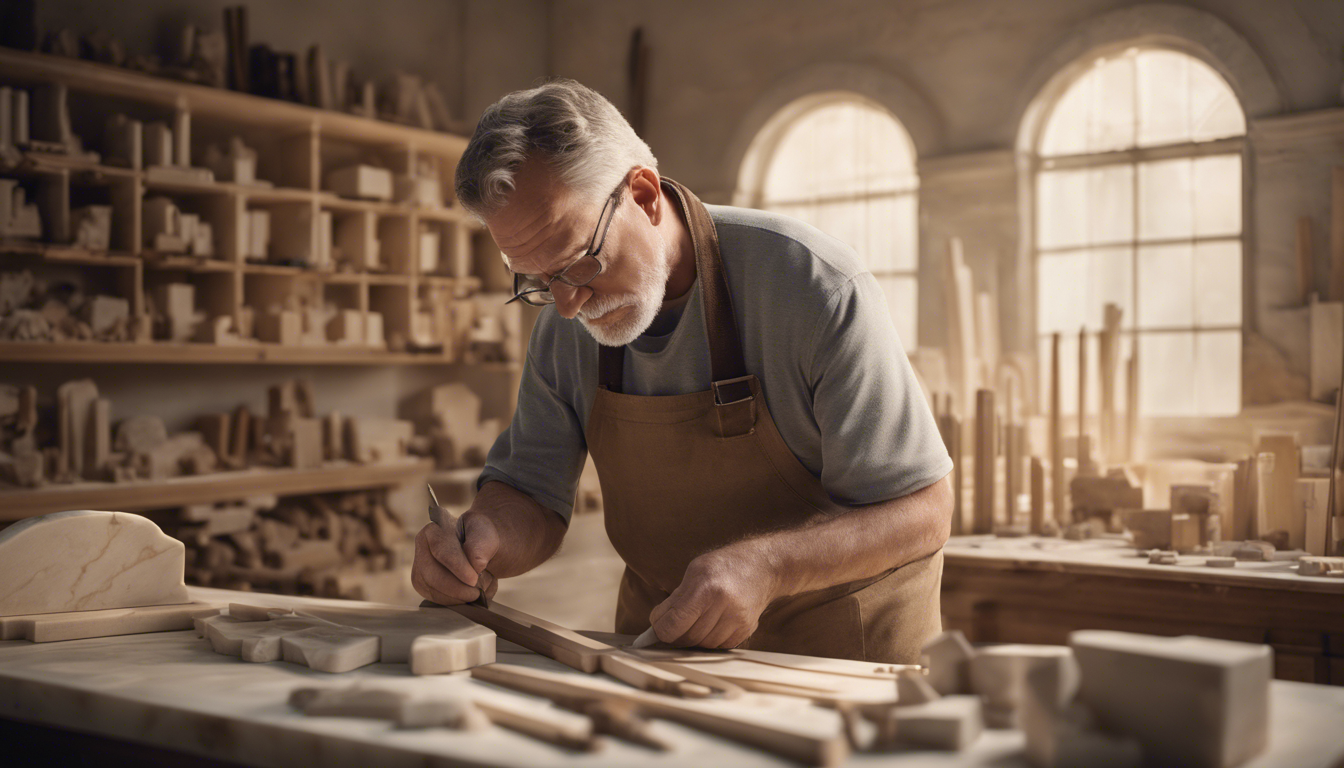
{"points": [[1011, 458], [950, 429], [1037, 496], [1056, 436], [1132, 403], [1083, 458], [1107, 352], [984, 462]]}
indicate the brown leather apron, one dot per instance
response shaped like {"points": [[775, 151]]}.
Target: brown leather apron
{"points": [[685, 474]]}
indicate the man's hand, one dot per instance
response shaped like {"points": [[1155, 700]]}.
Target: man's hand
{"points": [[720, 599], [450, 572]]}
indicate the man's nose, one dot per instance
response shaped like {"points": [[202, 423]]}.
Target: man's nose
{"points": [[568, 299]]}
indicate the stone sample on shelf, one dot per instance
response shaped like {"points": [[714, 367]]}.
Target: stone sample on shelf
{"points": [[91, 227], [450, 415], [364, 182], [1187, 700], [372, 440], [88, 560]]}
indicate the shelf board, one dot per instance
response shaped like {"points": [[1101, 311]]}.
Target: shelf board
{"points": [[169, 352], [69, 254], [141, 495], [218, 104]]}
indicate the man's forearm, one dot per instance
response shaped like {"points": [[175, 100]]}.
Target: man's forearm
{"points": [[860, 543], [529, 533]]}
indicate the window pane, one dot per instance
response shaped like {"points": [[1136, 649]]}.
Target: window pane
{"points": [[841, 148], [1164, 108], [1218, 195], [1110, 204], [1214, 111], [904, 305], [1110, 281], [1218, 275], [1218, 372], [1059, 277], [1066, 130], [890, 233], [1165, 200], [1166, 286], [1166, 374], [1111, 113], [1062, 209]]}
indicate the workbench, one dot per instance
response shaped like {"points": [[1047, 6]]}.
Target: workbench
{"points": [[169, 691], [1036, 590]]}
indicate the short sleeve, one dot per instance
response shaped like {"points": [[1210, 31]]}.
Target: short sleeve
{"points": [[543, 450], [879, 438]]}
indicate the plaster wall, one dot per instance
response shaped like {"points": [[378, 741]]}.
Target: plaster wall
{"points": [[962, 76]]}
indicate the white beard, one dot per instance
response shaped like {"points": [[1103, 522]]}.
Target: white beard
{"points": [[647, 299]]}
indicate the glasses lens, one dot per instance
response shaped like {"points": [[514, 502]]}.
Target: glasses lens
{"points": [[581, 272], [539, 299]]}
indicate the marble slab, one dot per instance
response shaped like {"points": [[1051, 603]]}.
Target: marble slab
{"points": [[87, 560], [169, 689], [79, 625]]}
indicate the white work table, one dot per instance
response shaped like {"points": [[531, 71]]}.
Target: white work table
{"points": [[170, 691]]}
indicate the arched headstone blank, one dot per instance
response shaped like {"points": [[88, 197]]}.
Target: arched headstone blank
{"points": [[87, 560]]}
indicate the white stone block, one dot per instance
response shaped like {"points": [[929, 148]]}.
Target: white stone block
{"points": [[361, 181], [1189, 701]]}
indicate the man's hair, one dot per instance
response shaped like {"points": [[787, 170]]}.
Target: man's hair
{"points": [[580, 136]]}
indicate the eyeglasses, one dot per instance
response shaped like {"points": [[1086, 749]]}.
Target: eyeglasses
{"points": [[537, 292]]}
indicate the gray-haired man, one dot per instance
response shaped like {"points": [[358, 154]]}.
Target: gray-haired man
{"points": [[770, 472]]}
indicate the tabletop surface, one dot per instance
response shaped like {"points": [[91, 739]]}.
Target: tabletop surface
{"points": [[1110, 556], [170, 690]]}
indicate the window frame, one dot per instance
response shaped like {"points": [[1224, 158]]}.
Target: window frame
{"points": [[1131, 334]]}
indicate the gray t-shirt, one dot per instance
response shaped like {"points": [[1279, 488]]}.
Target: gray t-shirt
{"points": [[816, 332]]}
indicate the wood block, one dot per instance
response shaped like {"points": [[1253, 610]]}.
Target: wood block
{"points": [[1282, 513], [1151, 527], [950, 723], [307, 450], [330, 648], [110, 622], [1186, 532], [1187, 700], [373, 440], [999, 676], [564, 729], [948, 657], [89, 561], [457, 638], [1312, 497]]}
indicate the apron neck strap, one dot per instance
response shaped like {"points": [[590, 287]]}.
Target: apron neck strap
{"points": [[727, 368]]}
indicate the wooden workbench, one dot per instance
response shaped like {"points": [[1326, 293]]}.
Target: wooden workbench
{"points": [[169, 691], [1035, 590]]}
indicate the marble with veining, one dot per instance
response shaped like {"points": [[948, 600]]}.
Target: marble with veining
{"points": [[170, 690], [87, 560]]}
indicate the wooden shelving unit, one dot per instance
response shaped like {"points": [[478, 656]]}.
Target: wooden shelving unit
{"points": [[297, 146], [17, 504]]}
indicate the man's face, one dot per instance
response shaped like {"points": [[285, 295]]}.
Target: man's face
{"points": [[544, 228]]}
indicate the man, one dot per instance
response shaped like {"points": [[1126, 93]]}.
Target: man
{"points": [[770, 472]]}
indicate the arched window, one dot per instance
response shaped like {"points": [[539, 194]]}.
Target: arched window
{"points": [[1139, 203], [845, 165]]}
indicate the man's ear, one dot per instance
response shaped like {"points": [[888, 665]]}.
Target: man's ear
{"points": [[646, 190]]}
